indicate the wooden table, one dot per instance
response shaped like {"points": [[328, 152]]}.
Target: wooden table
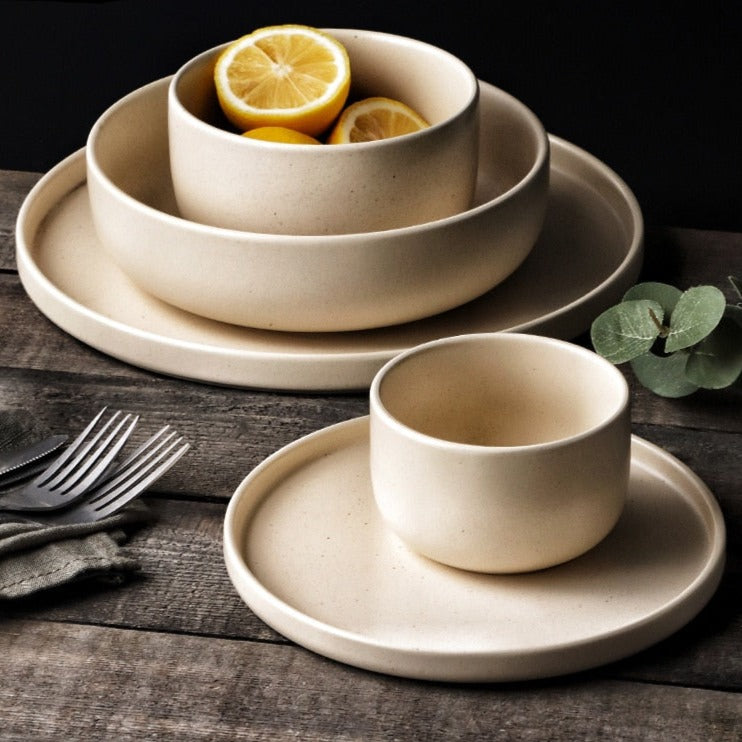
{"points": [[175, 654]]}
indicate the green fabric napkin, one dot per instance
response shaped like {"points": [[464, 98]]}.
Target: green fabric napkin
{"points": [[35, 558]]}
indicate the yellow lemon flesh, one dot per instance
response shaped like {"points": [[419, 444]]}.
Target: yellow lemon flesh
{"points": [[291, 76], [375, 118], [280, 134]]}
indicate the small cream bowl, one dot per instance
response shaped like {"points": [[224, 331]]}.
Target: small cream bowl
{"points": [[226, 180], [500, 452], [313, 283]]}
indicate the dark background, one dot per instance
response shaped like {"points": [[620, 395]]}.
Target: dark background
{"points": [[652, 90]]}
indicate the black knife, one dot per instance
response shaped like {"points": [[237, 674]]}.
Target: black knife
{"points": [[12, 460]]}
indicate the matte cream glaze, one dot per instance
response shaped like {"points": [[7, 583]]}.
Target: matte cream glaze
{"points": [[500, 452]]}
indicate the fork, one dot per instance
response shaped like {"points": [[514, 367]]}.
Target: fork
{"points": [[119, 489], [82, 464]]}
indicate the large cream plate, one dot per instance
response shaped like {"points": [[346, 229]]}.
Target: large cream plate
{"points": [[589, 253], [307, 551]]}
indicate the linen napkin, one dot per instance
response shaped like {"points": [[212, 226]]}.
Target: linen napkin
{"points": [[34, 558]]}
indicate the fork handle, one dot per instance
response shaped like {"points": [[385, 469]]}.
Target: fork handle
{"points": [[15, 500]]}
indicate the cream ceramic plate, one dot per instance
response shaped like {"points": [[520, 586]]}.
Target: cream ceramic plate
{"points": [[306, 550], [589, 253]]}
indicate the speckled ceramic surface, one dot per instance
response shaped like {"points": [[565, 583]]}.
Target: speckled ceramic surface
{"points": [[228, 181], [313, 284], [588, 254], [500, 452], [307, 551]]}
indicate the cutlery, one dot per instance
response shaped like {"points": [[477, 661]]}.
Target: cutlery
{"points": [[11, 461], [109, 497], [81, 466]]}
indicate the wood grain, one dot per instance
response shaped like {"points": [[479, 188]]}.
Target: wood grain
{"points": [[14, 186], [175, 654], [113, 683], [183, 587]]}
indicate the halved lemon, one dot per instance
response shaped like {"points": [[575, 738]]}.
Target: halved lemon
{"points": [[280, 134], [293, 76], [375, 118]]}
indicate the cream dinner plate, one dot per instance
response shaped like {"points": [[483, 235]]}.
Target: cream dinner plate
{"points": [[306, 550], [588, 254]]}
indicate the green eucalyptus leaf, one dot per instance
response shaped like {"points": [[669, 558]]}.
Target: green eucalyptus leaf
{"points": [[716, 362], [697, 313], [626, 330], [665, 295], [736, 285], [664, 376]]}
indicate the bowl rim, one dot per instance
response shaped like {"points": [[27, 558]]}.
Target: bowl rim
{"points": [[540, 164], [620, 409], [210, 55]]}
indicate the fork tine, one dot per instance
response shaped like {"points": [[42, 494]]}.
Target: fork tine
{"points": [[134, 473], [72, 448], [75, 462], [135, 459], [87, 467], [57, 475], [113, 500], [104, 463], [98, 505], [137, 452]]}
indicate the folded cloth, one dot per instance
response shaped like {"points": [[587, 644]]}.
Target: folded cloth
{"points": [[39, 557]]}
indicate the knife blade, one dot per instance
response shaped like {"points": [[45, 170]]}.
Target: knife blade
{"points": [[12, 460]]}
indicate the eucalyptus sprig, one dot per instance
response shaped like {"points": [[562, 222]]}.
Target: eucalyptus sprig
{"points": [[676, 341]]}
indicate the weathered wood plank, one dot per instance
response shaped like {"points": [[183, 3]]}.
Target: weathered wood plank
{"points": [[704, 409], [184, 587], [14, 186], [59, 352], [691, 257], [31, 341], [233, 430], [88, 682], [176, 654], [230, 430]]}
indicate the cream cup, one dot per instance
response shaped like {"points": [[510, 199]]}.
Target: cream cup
{"points": [[226, 180], [500, 452]]}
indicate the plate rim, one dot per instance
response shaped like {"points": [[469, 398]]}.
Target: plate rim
{"points": [[353, 648], [315, 370]]}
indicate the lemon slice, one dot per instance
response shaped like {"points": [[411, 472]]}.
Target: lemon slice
{"points": [[280, 134], [291, 75], [375, 118]]}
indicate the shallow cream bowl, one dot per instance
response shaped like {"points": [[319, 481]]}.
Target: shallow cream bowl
{"points": [[313, 283]]}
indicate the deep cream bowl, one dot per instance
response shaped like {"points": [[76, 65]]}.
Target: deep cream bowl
{"points": [[227, 180], [313, 283]]}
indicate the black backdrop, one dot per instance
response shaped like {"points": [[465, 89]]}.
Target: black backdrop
{"points": [[655, 93]]}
